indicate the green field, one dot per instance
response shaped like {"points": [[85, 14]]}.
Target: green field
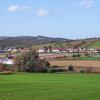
{"points": [[25, 86], [89, 58]]}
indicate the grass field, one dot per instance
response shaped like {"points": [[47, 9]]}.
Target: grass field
{"points": [[25, 86], [89, 58]]}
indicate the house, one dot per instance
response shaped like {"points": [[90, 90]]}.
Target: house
{"points": [[82, 50], [70, 50], [40, 50], [56, 50], [23, 49], [6, 61], [63, 50]]}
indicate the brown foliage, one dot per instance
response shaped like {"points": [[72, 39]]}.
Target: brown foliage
{"points": [[29, 62]]}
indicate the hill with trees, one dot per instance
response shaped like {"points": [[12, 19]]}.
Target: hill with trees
{"points": [[41, 41], [22, 41]]}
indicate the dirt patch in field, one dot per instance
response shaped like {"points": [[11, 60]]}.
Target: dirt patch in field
{"points": [[82, 63]]}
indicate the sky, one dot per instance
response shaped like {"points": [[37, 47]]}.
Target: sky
{"points": [[72, 19]]}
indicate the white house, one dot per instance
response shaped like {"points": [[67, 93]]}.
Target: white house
{"points": [[6, 61], [40, 51], [56, 51]]}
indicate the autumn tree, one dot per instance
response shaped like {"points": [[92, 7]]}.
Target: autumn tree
{"points": [[29, 62]]}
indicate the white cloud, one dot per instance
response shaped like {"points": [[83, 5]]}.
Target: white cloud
{"points": [[13, 8], [87, 3], [16, 8], [44, 12]]}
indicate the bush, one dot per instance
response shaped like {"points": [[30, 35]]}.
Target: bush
{"points": [[87, 54], [73, 55], [47, 64], [82, 71], [70, 68], [77, 55], [50, 70], [55, 69]]}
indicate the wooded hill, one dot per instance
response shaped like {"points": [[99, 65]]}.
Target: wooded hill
{"points": [[22, 41], [40, 41]]}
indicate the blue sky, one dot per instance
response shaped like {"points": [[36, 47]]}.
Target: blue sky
{"points": [[56, 18]]}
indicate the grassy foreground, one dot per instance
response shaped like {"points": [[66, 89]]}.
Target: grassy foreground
{"points": [[25, 86]]}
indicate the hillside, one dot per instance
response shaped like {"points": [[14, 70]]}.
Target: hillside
{"points": [[83, 43], [41, 41], [27, 41], [95, 44]]}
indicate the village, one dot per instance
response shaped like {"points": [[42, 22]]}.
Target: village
{"points": [[44, 53], [68, 50], [52, 50]]}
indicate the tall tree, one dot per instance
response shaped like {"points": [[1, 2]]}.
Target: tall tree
{"points": [[50, 48], [45, 49]]}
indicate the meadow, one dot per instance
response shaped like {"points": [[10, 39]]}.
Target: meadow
{"points": [[89, 58], [26, 86]]}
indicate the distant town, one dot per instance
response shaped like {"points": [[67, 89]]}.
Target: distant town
{"points": [[12, 51]]}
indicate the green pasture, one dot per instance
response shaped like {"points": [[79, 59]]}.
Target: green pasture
{"points": [[89, 58], [26, 86]]}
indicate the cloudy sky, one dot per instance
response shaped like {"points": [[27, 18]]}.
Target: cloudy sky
{"points": [[55, 18]]}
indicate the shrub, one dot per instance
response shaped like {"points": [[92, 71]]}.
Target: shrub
{"points": [[77, 55], [50, 70], [47, 64], [87, 54], [82, 71], [73, 55], [54, 70], [70, 68]]}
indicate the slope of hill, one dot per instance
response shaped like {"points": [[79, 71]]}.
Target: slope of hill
{"points": [[83, 43], [27, 41], [41, 41], [95, 44]]}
